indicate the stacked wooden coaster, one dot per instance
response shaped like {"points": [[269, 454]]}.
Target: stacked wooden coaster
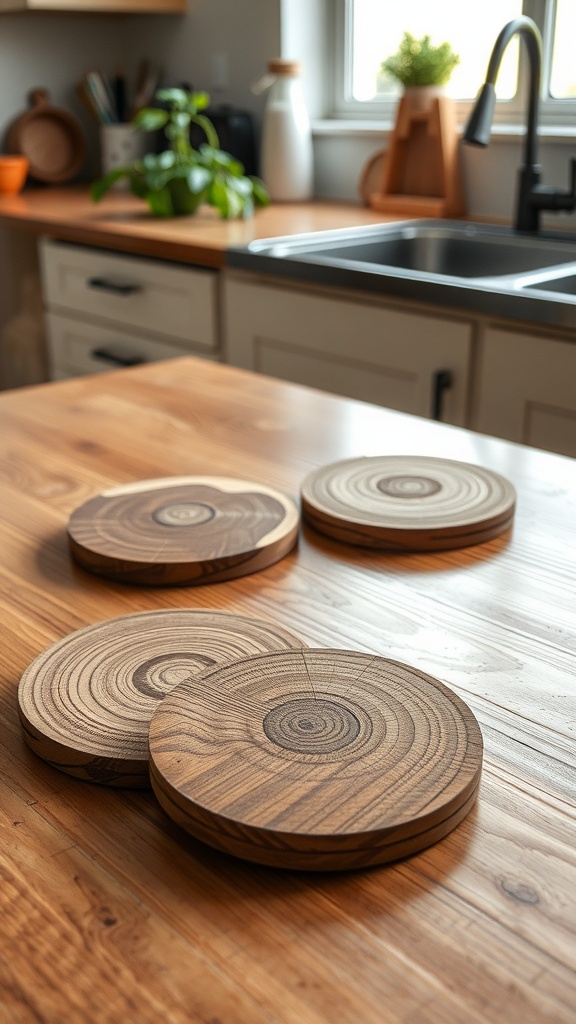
{"points": [[407, 503], [182, 530], [86, 703], [316, 760]]}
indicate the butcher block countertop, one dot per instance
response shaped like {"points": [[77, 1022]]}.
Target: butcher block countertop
{"points": [[110, 912], [122, 222]]}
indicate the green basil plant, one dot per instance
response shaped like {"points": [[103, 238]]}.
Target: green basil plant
{"points": [[181, 178]]}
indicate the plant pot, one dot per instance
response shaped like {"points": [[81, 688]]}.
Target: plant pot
{"points": [[184, 202], [13, 171], [181, 201], [421, 97]]}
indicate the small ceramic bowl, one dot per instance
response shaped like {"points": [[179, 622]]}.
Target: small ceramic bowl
{"points": [[13, 171]]}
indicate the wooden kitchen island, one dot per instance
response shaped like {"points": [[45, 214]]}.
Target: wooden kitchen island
{"points": [[111, 913]]}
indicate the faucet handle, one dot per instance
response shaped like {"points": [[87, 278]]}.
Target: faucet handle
{"points": [[548, 197]]}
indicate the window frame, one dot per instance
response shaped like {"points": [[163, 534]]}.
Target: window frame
{"points": [[560, 113]]}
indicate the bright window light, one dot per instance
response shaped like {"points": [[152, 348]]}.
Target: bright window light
{"points": [[378, 27]]}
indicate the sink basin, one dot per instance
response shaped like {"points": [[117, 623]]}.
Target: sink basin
{"points": [[563, 285], [450, 249], [488, 269]]}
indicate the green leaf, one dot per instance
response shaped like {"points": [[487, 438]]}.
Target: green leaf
{"points": [[101, 187], [150, 119], [199, 100], [198, 179], [219, 158], [160, 203], [181, 120], [260, 192], [241, 186], [177, 97], [166, 159]]}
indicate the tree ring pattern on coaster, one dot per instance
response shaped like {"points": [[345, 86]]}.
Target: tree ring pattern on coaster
{"points": [[408, 486], [182, 530], [184, 513], [310, 724], [407, 502], [316, 759], [85, 704]]}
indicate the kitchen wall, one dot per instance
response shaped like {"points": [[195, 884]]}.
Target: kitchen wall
{"points": [[217, 42]]}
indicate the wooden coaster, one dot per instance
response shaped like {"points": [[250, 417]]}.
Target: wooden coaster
{"points": [[316, 759], [408, 503], [85, 704], [182, 530]]}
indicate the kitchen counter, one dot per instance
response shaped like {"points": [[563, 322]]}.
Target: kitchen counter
{"points": [[122, 222], [110, 912]]}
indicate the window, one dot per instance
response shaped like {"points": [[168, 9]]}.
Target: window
{"points": [[368, 31]]}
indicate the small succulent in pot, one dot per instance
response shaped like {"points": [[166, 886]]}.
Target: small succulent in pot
{"points": [[417, 62], [178, 180]]}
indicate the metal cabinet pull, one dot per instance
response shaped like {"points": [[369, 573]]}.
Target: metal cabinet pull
{"points": [[116, 358], [442, 380], [116, 287]]}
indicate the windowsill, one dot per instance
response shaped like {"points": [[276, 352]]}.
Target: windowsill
{"points": [[500, 132]]}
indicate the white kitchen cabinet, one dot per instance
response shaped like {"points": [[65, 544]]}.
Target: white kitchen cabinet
{"points": [[413, 362], [526, 390], [106, 309]]}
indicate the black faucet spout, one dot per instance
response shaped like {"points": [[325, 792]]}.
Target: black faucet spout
{"points": [[532, 197]]}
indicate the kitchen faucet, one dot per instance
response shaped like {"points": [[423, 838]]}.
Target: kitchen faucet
{"points": [[532, 196]]}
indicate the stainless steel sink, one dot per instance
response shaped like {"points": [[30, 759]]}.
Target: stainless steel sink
{"points": [[565, 285], [483, 268], [450, 249]]}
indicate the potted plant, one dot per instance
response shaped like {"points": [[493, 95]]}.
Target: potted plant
{"points": [[178, 180], [418, 63]]}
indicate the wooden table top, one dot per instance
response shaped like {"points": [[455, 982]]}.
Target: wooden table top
{"points": [[110, 912], [122, 222]]}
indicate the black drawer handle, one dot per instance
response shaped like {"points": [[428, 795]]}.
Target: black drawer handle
{"points": [[116, 358], [442, 380], [116, 287]]}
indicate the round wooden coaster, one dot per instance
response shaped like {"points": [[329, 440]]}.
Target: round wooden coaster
{"points": [[316, 759], [408, 503], [86, 703], [182, 530]]}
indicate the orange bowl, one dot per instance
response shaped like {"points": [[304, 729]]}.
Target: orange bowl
{"points": [[13, 171]]}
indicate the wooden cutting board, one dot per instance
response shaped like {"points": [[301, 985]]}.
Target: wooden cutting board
{"points": [[408, 503], [85, 704], [183, 530], [316, 759], [51, 138]]}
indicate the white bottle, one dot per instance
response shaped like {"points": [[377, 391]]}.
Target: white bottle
{"points": [[286, 152]]}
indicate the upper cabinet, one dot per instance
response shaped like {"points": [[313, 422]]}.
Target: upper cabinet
{"points": [[100, 6]]}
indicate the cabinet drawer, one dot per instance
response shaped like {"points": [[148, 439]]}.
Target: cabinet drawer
{"points": [[151, 295], [76, 348]]}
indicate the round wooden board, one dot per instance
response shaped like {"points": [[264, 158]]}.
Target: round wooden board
{"points": [[407, 503], [51, 138], [182, 530], [86, 703], [316, 760]]}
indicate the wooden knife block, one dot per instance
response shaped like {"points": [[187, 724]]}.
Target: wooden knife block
{"points": [[421, 172]]}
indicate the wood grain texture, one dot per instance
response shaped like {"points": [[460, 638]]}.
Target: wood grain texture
{"points": [[120, 222], [319, 760], [408, 503], [185, 530], [103, 893], [86, 703]]}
